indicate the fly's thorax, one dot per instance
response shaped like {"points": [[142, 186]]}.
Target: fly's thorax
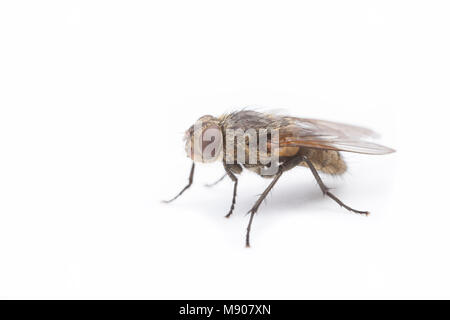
{"points": [[251, 147]]}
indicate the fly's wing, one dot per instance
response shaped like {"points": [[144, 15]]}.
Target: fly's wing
{"points": [[298, 132], [333, 128]]}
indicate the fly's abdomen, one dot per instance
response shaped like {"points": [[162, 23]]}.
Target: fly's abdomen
{"points": [[326, 161]]}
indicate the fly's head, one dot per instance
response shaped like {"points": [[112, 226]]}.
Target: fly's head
{"points": [[204, 140]]}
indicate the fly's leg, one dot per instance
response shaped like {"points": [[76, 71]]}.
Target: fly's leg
{"points": [[257, 204], [191, 179], [282, 168], [209, 185], [327, 192], [235, 180]]}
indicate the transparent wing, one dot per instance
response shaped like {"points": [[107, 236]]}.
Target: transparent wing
{"points": [[329, 135]]}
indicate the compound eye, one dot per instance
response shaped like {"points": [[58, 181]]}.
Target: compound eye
{"points": [[211, 142]]}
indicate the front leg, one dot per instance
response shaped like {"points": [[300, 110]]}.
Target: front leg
{"points": [[191, 179]]}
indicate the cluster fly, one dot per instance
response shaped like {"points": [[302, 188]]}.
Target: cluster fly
{"points": [[270, 145]]}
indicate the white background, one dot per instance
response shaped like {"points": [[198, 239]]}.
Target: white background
{"points": [[95, 97]]}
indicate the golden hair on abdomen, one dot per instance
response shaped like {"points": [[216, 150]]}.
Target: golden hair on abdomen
{"points": [[326, 161]]}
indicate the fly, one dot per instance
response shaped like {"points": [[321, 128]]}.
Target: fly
{"points": [[270, 145]]}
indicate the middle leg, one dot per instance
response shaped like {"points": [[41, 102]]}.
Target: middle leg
{"points": [[209, 185], [285, 166], [235, 180]]}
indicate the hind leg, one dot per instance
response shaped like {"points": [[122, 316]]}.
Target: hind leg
{"points": [[326, 191]]}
